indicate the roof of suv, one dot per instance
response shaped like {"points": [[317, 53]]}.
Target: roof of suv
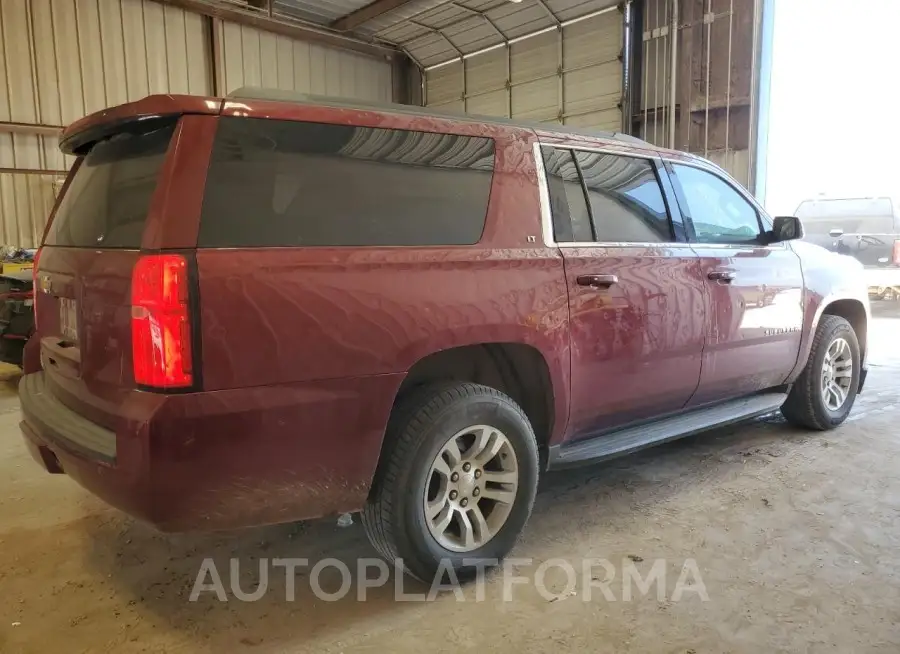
{"points": [[78, 135], [277, 95]]}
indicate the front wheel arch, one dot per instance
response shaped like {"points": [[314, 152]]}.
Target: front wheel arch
{"points": [[805, 405], [854, 312]]}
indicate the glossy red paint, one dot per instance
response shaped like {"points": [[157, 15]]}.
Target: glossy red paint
{"points": [[153, 105], [637, 345], [301, 351], [249, 456], [756, 321], [293, 339], [97, 380], [829, 279], [172, 221]]}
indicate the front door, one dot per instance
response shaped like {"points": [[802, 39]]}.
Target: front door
{"points": [[754, 289], [636, 295]]}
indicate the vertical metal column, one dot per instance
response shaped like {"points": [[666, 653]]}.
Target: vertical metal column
{"points": [[708, 18], [765, 18], [465, 86], [673, 31], [560, 70], [647, 35], [663, 40], [728, 82], [656, 72]]}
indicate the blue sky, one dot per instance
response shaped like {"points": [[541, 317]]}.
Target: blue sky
{"points": [[835, 105]]}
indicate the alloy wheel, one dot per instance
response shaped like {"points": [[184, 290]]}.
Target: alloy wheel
{"points": [[837, 374], [471, 488]]}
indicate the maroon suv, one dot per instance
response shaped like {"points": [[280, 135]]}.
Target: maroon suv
{"points": [[269, 307]]}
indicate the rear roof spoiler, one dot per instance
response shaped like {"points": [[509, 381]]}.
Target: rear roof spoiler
{"points": [[78, 137]]}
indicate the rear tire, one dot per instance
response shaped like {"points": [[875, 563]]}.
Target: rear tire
{"points": [[810, 404], [476, 434]]}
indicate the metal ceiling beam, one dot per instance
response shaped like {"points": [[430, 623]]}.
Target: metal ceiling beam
{"points": [[483, 16], [435, 30], [364, 14], [289, 28], [517, 39], [549, 11], [430, 9]]}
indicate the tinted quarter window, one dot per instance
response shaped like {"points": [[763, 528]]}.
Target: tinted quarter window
{"points": [[107, 200], [281, 183], [625, 197], [719, 213], [571, 218]]}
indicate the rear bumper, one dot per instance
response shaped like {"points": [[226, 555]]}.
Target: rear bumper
{"points": [[62, 426], [879, 278], [224, 459]]}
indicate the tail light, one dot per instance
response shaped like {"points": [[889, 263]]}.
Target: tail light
{"points": [[896, 257], [160, 322]]}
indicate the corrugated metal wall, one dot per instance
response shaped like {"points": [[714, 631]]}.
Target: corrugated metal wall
{"points": [[252, 57], [572, 76], [63, 59]]}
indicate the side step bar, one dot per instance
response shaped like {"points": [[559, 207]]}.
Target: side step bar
{"points": [[631, 439]]}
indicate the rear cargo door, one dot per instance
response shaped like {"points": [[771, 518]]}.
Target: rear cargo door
{"points": [[83, 303]]}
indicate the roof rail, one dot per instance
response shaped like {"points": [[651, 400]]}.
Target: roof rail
{"points": [[278, 95]]}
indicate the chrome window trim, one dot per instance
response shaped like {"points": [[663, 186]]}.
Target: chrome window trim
{"points": [[628, 244], [544, 196], [618, 153], [737, 246], [547, 217]]}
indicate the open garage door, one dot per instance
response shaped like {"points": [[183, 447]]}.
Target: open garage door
{"points": [[542, 60], [569, 73], [702, 70], [688, 74]]}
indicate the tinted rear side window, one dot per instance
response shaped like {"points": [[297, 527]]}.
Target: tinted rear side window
{"points": [[280, 183], [571, 217], [626, 200], [107, 200]]}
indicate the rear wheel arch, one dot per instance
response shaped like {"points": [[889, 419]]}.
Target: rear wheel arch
{"points": [[414, 513], [519, 370]]}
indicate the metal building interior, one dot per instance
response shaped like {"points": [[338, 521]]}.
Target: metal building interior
{"points": [[795, 532], [588, 63]]}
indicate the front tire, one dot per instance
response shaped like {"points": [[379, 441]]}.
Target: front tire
{"points": [[823, 394], [457, 480]]}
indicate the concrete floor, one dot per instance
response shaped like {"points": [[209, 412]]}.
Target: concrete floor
{"points": [[796, 537]]}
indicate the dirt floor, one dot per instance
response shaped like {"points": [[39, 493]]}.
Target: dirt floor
{"points": [[796, 537]]}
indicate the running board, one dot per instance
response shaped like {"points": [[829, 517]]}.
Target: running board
{"points": [[632, 439]]}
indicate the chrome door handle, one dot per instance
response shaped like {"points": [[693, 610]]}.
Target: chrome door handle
{"points": [[721, 276], [597, 281]]}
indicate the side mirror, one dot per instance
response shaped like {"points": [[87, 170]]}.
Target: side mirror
{"points": [[836, 233], [786, 228]]}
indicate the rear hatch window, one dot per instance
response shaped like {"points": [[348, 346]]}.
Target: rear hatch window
{"points": [[84, 312], [107, 201]]}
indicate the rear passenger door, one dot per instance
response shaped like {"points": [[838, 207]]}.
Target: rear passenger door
{"points": [[635, 290], [754, 290]]}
